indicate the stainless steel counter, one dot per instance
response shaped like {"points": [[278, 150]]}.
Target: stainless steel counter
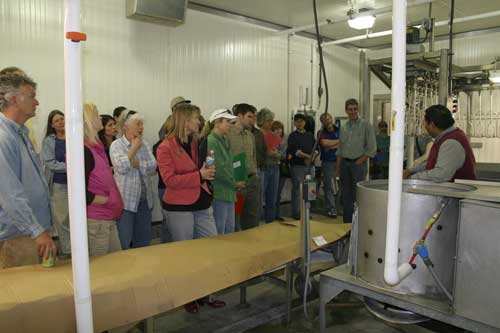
{"points": [[462, 189]]}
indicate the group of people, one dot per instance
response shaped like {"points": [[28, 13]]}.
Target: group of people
{"points": [[200, 192]]}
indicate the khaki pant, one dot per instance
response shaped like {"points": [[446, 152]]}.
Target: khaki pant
{"points": [[61, 216], [18, 252], [103, 237]]}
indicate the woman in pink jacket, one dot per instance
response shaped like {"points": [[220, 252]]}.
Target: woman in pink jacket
{"points": [[187, 199], [104, 202]]}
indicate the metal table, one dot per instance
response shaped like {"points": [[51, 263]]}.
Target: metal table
{"points": [[338, 279]]}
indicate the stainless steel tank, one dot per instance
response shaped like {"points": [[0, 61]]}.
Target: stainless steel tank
{"points": [[416, 209]]}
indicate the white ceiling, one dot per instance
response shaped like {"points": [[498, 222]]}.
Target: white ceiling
{"points": [[293, 13]]}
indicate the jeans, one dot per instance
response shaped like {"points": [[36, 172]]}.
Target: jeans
{"points": [[223, 216], [250, 216], [191, 225], [165, 233], [350, 175], [328, 179], [271, 177], [262, 185], [298, 173], [281, 184], [134, 229]]}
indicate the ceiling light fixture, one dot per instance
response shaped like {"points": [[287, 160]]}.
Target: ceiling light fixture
{"points": [[363, 19]]}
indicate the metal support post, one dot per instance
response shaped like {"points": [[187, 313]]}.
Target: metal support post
{"points": [[327, 292], [364, 86], [243, 298], [443, 77], [289, 292]]}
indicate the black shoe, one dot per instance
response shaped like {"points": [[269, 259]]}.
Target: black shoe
{"points": [[280, 219]]}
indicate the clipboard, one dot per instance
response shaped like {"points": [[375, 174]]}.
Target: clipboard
{"points": [[240, 167]]}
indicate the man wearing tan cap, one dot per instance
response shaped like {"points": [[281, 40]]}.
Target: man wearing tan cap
{"points": [[176, 101]]}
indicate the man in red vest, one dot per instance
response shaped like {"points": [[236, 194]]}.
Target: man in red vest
{"points": [[451, 155]]}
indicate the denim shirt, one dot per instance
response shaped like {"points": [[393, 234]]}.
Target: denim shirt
{"points": [[24, 195]]}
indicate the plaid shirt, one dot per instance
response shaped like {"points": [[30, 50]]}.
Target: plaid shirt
{"points": [[128, 178]]}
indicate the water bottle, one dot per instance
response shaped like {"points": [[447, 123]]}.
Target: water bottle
{"points": [[210, 160]]}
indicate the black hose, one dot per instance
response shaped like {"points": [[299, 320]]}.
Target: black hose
{"points": [[450, 54], [327, 96], [307, 259], [320, 51]]}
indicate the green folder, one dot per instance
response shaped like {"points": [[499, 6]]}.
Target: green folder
{"points": [[240, 167]]}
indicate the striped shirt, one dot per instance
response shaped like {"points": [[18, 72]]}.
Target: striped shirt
{"points": [[129, 179]]}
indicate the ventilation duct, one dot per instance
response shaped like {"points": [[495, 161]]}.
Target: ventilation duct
{"points": [[166, 12]]}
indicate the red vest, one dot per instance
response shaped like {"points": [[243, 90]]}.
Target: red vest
{"points": [[468, 169]]}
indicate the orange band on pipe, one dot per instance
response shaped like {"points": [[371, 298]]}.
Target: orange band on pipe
{"points": [[76, 36]]}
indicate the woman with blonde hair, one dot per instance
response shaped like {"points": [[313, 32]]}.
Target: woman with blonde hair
{"points": [[104, 202], [188, 198]]}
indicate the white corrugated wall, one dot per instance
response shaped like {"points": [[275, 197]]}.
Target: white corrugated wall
{"points": [[214, 61]]}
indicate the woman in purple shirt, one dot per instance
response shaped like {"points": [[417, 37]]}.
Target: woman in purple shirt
{"points": [[54, 163]]}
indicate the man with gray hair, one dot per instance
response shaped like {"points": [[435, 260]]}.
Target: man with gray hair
{"points": [[25, 216]]}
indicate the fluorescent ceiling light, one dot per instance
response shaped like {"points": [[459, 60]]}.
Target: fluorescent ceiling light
{"points": [[495, 76], [360, 21]]}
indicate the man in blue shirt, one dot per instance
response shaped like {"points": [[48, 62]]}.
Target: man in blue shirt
{"points": [[328, 141], [25, 216]]}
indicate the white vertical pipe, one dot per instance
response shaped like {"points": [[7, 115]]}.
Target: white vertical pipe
{"points": [[75, 169], [393, 275]]}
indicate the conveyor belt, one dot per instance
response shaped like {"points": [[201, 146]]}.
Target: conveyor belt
{"points": [[135, 284]]}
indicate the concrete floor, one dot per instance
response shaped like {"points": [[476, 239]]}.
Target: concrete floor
{"points": [[266, 308], [266, 303]]}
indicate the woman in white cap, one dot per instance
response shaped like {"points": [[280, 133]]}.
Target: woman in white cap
{"points": [[224, 185]]}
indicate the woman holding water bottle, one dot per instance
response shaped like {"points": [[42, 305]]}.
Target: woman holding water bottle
{"points": [[187, 201], [224, 185]]}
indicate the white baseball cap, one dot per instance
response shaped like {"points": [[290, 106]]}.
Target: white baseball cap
{"points": [[222, 113]]}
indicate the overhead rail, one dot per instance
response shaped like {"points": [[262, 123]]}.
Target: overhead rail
{"points": [[389, 32], [377, 12]]}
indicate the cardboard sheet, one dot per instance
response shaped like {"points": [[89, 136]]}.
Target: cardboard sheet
{"points": [[132, 285]]}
